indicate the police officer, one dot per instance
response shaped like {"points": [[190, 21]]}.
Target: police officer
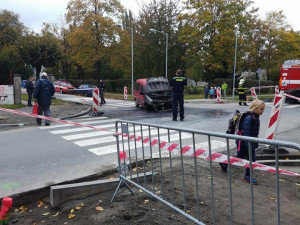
{"points": [[178, 82], [242, 92]]}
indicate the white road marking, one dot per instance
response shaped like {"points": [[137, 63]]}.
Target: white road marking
{"points": [[103, 140], [113, 148], [83, 123], [292, 106], [72, 130]]}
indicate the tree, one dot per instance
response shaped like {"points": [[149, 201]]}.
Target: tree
{"points": [[91, 33], [209, 32], [40, 50], [150, 47], [10, 28]]}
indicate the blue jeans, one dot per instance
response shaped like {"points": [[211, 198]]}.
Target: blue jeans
{"points": [[46, 111], [178, 97], [244, 154]]}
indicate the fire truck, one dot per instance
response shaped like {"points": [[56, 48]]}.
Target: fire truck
{"points": [[289, 81]]}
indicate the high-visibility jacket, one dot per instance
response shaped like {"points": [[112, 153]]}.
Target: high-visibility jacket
{"points": [[242, 89], [224, 86]]}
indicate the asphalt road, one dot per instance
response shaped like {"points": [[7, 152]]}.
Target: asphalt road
{"points": [[35, 157]]}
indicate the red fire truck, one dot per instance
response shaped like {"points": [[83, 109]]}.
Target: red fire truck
{"points": [[289, 81]]}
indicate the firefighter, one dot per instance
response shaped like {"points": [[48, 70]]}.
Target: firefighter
{"points": [[178, 82], [241, 90]]}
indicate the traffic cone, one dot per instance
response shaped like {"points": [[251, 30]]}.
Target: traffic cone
{"points": [[5, 210]]}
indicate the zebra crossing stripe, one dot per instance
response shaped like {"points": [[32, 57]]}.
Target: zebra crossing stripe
{"points": [[70, 125], [103, 140], [73, 130]]}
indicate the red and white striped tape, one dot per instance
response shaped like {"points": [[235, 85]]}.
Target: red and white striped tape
{"points": [[219, 95], [291, 96], [125, 93], [96, 100], [204, 154], [274, 118], [276, 90], [253, 93], [186, 150]]}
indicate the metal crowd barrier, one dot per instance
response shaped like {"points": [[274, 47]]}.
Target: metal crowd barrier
{"points": [[139, 141]]}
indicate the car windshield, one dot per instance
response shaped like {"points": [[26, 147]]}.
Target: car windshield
{"points": [[66, 84], [158, 86]]}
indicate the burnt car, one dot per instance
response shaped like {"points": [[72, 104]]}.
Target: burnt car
{"points": [[153, 93]]}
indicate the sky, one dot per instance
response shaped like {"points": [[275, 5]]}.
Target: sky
{"points": [[34, 12]]}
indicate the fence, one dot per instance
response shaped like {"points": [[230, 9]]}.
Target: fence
{"points": [[182, 181]]}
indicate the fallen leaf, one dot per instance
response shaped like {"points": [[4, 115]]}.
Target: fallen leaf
{"points": [[134, 169], [287, 159], [56, 214], [46, 214], [99, 208], [297, 184], [100, 201], [272, 198], [146, 201], [140, 190], [81, 204], [66, 223], [72, 210], [78, 208], [209, 177], [71, 216], [40, 204], [17, 210], [188, 211], [281, 180], [111, 178]]}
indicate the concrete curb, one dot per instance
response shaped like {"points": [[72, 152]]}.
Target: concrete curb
{"points": [[62, 193], [76, 115]]}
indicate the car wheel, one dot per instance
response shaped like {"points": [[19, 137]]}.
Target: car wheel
{"points": [[148, 107], [61, 91], [136, 104]]}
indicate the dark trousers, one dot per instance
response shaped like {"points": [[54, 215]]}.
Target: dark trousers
{"points": [[29, 98], [178, 98], [102, 97], [244, 154], [46, 111], [242, 99]]}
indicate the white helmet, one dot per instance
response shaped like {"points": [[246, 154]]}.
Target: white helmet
{"points": [[43, 74], [242, 81]]}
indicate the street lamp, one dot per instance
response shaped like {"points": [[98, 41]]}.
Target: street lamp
{"points": [[131, 31], [235, 50], [153, 30]]}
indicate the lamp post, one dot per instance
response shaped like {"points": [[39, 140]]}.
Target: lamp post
{"points": [[153, 30], [235, 52], [131, 31]]}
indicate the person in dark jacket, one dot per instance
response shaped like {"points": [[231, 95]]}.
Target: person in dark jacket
{"points": [[242, 90], [178, 82], [250, 127], [101, 91], [206, 92], [43, 92], [29, 90]]}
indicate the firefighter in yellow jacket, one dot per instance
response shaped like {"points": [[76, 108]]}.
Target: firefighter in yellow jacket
{"points": [[242, 90]]}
